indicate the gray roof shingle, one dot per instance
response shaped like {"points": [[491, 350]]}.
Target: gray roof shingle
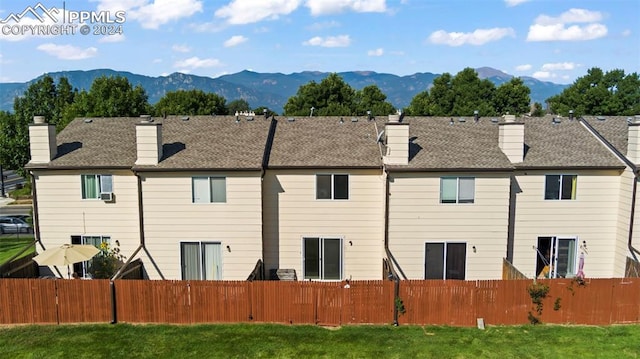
{"points": [[564, 144], [325, 142], [446, 143], [614, 129], [202, 142]]}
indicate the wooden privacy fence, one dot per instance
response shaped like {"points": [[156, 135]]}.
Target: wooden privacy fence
{"points": [[430, 302]]}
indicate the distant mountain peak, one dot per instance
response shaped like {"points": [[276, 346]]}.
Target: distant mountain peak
{"points": [[488, 72]]}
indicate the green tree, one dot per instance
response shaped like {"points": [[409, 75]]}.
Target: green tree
{"points": [[537, 110], [191, 102], [441, 96], [419, 105], [42, 98], [240, 105], [372, 99], [472, 94], [111, 96], [512, 97], [598, 93], [331, 97]]}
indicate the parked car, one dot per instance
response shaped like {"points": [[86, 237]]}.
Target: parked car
{"points": [[14, 225], [24, 217]]}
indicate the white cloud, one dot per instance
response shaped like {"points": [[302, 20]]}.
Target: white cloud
{"points": [[180, 48], [196, 63], [478, 37], [68, 52], [235, 41], [376, 52], [326, 7], [559, 66], [160, 12], [511, 3], [112, 38], [543, 75], [525, 67], [626, 33], [240, 12], [324, 25], [329, 41], [547, 28]]}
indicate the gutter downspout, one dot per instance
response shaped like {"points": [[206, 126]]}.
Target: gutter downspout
{"points": [[634, 187], [263, 172], [392, 260], [142, 236]]}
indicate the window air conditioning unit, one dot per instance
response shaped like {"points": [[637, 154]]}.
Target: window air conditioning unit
{"points": [[106, 196]]}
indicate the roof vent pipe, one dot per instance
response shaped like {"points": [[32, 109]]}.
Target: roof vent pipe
{"points": [[571, 115], [476, 116]]}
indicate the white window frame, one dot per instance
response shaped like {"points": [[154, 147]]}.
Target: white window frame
{"points": [[333, 189], [572, 263], [457, 200], [102, 186], [321, 261], [209, 194], [574, 189], [444, 258], [217, 272], [84, 240]]}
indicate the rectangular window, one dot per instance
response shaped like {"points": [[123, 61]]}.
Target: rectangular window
{"points": [[87, 269], [93, 185], [457, 189], [209, 189], [322, 258], [561, 187], [201, 260], [445, 260], [332, 186], [556, 257]]}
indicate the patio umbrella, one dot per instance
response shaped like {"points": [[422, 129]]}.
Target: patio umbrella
{"points": [[66, 254], [580, 273]]}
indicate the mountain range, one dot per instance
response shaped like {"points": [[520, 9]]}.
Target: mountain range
{"points": [[272, 90]]}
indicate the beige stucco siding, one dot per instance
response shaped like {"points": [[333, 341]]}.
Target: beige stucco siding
{"points": [[170, 218], [592, 217], [63, 213], [292, 212], [416, 216]]}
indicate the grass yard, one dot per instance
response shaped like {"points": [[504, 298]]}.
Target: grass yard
{"points": [[10, 244], [282, 341]]}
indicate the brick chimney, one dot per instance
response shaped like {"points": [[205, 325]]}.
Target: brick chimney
{"points": [[511, 138], [633, 144], [42, 141], [148, 142], [397, 135]]}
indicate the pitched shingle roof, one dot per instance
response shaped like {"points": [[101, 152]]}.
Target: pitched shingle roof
{"points": [[614, 129], [440, 143], [325, 142], [201, 142], [563, 144]]}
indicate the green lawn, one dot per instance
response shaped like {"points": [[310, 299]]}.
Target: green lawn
{"points": [[282, 341], [10, 244]]}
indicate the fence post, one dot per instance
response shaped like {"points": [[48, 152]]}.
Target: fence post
{"points": [[114, 315]]}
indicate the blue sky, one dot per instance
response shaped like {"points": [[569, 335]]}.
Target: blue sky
{"points": [[552, 40]]}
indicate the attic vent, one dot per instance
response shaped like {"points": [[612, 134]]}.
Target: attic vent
{"points": [[185, 118], [341, 120], [88, 120], [291, 119], [249, 118], [353, 119], [601, 118], [146, 118], [556, 120], [629, 120], [494, 120], [462, 119]]}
